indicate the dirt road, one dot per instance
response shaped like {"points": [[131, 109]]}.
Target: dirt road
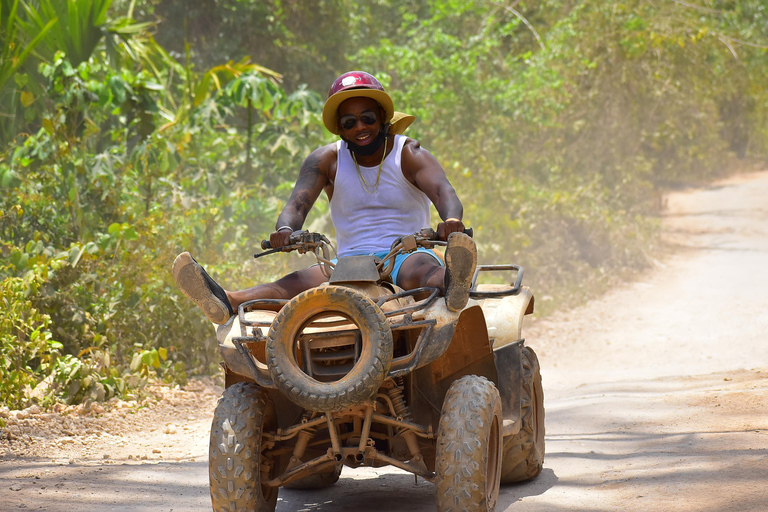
{"points": [[656, 400]]}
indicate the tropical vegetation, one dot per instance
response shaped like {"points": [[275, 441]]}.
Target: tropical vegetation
{"points": [[131, 130]]}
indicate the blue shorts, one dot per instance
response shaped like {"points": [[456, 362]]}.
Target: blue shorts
{"points": [[399, 259]]}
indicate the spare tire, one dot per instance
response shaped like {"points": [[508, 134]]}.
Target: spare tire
{"points": [[368, 369]]}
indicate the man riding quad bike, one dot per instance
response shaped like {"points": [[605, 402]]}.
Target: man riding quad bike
{"points": [[357, 372], [385, 355]]}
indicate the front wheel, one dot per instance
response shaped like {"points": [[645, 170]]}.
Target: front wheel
{"points": [[237, 466], [468, 458], [524, 451]]}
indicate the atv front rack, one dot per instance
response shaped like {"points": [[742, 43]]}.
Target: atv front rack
{"points": [[429, 341]]}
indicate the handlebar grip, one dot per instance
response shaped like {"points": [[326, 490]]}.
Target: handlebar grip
{"points": [[266, 245], [431, 234]]}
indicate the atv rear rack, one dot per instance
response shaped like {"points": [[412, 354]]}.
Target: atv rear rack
{"points": [[474, 294]]}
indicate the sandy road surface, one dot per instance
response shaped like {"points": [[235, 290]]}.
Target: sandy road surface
{"points": [[656, 399]]}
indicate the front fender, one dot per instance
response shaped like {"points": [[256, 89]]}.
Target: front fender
{"points": [[254, 366], [504, 316]]}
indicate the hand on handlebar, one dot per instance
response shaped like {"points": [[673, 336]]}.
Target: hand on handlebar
{"points": [[279, 239], [301, 241], [449, 226]]}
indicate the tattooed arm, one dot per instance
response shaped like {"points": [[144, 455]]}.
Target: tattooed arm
{"points": [[313, 178]]}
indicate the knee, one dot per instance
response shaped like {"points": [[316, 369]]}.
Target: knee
{"points": [[435, 277], [425, 273], [407, 282]]}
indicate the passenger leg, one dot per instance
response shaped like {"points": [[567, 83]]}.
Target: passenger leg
{"points": [[287, 287], [219, 305]]}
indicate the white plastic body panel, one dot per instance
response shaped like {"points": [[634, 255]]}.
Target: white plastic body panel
{"points": [[504, 316]]}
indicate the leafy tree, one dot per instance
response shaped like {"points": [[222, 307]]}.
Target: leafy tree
{"points": [[83, 29], [573, 114]]}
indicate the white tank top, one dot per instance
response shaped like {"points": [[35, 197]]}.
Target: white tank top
{"points": [[368, 222]]}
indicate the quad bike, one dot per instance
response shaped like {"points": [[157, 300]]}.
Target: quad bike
{"points": [[358, 372]]}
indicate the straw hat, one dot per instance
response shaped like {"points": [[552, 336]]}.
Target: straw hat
{"points": [[355, 84], [400, 122]]}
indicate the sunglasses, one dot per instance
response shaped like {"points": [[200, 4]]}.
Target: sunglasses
{"points": [[349, 121]]}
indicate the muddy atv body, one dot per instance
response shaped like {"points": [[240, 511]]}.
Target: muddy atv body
{"points": [[360, 373]]}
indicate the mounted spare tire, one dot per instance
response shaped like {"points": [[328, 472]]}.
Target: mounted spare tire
{"points": [[309, 334]]}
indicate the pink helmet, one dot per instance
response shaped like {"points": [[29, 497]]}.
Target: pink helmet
{"points": [[353, 84]]}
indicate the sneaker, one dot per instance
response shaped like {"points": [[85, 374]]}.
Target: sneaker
{"points": [[460, 263], [206, 293]]}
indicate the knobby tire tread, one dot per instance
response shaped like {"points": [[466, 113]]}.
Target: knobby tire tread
{"points": [[234, 464], [470, 408]]}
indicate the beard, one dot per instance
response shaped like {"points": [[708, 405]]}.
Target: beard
{"points": [[371, 148]]}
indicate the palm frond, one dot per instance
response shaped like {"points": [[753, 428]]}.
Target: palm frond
{"points": [[15, 50]]}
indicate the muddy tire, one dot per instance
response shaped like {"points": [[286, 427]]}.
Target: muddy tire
{"points": [[368, 372], [236, 465], [468, 458], [523, 453], [318, 480]]}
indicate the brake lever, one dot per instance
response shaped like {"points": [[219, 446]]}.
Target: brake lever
{"points": [[272, 251], [286, 248]]}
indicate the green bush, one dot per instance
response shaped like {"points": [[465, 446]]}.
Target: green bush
{"points": [[27, 348]]}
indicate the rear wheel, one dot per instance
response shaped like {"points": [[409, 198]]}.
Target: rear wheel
{"points": [[468, 458], [237, 466], [524, 452]]}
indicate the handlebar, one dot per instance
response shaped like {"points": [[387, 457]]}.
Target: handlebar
{"points": [[305, 241], [299, 237]]}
